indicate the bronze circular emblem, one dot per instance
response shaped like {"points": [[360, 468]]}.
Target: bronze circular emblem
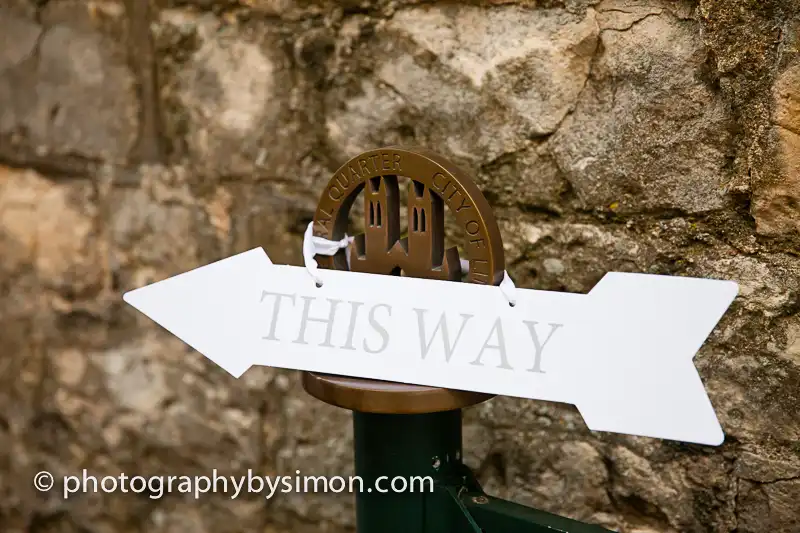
{"points": [[433, 183]]}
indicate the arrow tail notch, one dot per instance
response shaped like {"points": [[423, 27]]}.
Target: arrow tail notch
{"points": [[640, 333]]}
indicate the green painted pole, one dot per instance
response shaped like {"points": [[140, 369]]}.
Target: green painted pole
{"points": [[420, 456], [409, 451]]}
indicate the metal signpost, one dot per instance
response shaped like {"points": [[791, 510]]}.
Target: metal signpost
{"points": [[408, 430], [365, 328]]}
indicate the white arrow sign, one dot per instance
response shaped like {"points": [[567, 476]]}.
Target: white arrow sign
{"points": [[622, 353]]}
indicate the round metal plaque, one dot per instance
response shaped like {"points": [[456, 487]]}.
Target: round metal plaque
{"points": [[434, 183]]}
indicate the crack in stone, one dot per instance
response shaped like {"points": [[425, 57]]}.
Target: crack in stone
{"points": [[635, 22], [58, 168], [142, 62], [765, 483]]}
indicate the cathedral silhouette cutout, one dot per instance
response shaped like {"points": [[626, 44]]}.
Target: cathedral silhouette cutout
{"points": [[380, 250]]}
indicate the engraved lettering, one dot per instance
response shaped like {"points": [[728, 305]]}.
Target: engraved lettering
{"points": [[343, 180], [351, 327], [472, 224], [323, 222], [386, 161], [338, 195], [479, 277], [363, 164], [463, 205], [275, 311], [436, 185], [301, 336], [425, 344], [396, 165], [354, 173], [477, 242], [321, 225], [378, 328], [473, 267], [539, 346], [500, 346], [374, 163]]}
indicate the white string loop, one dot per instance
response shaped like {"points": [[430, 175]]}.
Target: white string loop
{"points": [[313, 246], [509, 289], [506, 286]]}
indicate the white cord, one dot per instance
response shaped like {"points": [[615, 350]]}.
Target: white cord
{"points": [[313, 246], [509, 289], [507, 285]]}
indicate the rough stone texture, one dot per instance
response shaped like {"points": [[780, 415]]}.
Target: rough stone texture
{"points": [[142, 139], [65, 87], [778, 202], [649, 66]]}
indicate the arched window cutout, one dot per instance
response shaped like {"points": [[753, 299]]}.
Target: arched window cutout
{"points": [[375, 183], [419, 189], [422, 221], [415, 221], [372, 214], [379, 223]]}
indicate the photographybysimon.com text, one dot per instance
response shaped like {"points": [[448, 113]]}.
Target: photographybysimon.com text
{"points": [[217, 484]]}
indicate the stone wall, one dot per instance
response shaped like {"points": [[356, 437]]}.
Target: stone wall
{"points": [[139, 141]]}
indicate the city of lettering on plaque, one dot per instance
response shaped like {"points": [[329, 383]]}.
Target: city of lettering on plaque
{"points": [[408, 309]]}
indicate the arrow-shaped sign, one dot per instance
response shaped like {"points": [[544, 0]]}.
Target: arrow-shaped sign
{"points": [[622, 353]]}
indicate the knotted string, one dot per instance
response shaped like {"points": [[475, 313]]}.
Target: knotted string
{"points": [[313, 245]]}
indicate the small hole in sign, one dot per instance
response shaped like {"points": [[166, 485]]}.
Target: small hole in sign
{"points": [[318, 284], [512, 304]]}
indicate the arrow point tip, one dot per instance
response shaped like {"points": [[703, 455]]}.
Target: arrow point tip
{"points": [[133, 298], [129, 298]]}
